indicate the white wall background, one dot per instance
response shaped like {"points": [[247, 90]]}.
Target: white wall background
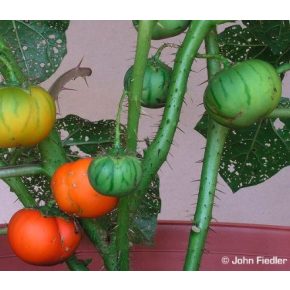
{"points": [[108, 48]]}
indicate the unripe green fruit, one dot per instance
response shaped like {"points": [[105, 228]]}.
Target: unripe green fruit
{"points": [[155, 84], [115, 175], [166, 28], [243, 94]]}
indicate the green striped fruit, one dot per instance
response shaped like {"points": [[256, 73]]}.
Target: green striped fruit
{"points": [[155, 85], [166, 28], [26, 116], [115, 175], [245, 93]]}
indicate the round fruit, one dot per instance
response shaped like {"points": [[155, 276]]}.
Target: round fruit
{"points": [[166, 28], [26, 116], [155, 84], [42, 240], [75, 195], [243, 94], [115, 175]]}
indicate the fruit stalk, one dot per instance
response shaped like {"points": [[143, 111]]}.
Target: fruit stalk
{"points": [[134, 97], [216, 136], [280, 113]]}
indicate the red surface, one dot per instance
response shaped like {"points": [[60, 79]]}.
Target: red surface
{"points": [[225, 240]]}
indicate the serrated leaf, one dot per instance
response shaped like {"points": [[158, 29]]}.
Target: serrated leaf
{"points": [[266, 40], [38, 46], [251, 155]]}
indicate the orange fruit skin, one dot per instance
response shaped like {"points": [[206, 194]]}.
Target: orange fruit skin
{"points": [[74, 194]]}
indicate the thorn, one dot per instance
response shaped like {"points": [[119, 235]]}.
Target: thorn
{"points": [[79, 65], [220, 191], [211, 229], [199, 161], [203, 83], [217, 197], [180, 129], [214, 219], [196, 180], [205, 251], [68, 89], [85, 79], [200, 104], [169, 165]]}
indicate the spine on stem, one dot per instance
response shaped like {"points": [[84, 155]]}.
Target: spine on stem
{"points": [[134, 97], [157, 151], [216, 136]]}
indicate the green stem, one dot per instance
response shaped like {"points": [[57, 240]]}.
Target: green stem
{"points": [[20, 189], [165, 45], [134, 97], [117, 143], [283, 68], [3, 231], [226, 62], [280, 113], [75, 265], [98, 235], [21, 170], [216, 136], [158, 150]]}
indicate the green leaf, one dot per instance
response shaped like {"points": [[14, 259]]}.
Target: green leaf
{"points": [[38, 46], [144, 223], [252, 155], [266, 40], [86, 137]]}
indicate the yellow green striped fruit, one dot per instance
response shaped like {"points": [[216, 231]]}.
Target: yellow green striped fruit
{"points": [[26, 116], [115, 175], [241, 95], [155, 84]]}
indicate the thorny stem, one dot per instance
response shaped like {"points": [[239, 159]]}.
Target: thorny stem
{"points": [[157, 152], [216, 136], [134, 96], [117, 143], [17, 186], [141, 57], [21, 170]]}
